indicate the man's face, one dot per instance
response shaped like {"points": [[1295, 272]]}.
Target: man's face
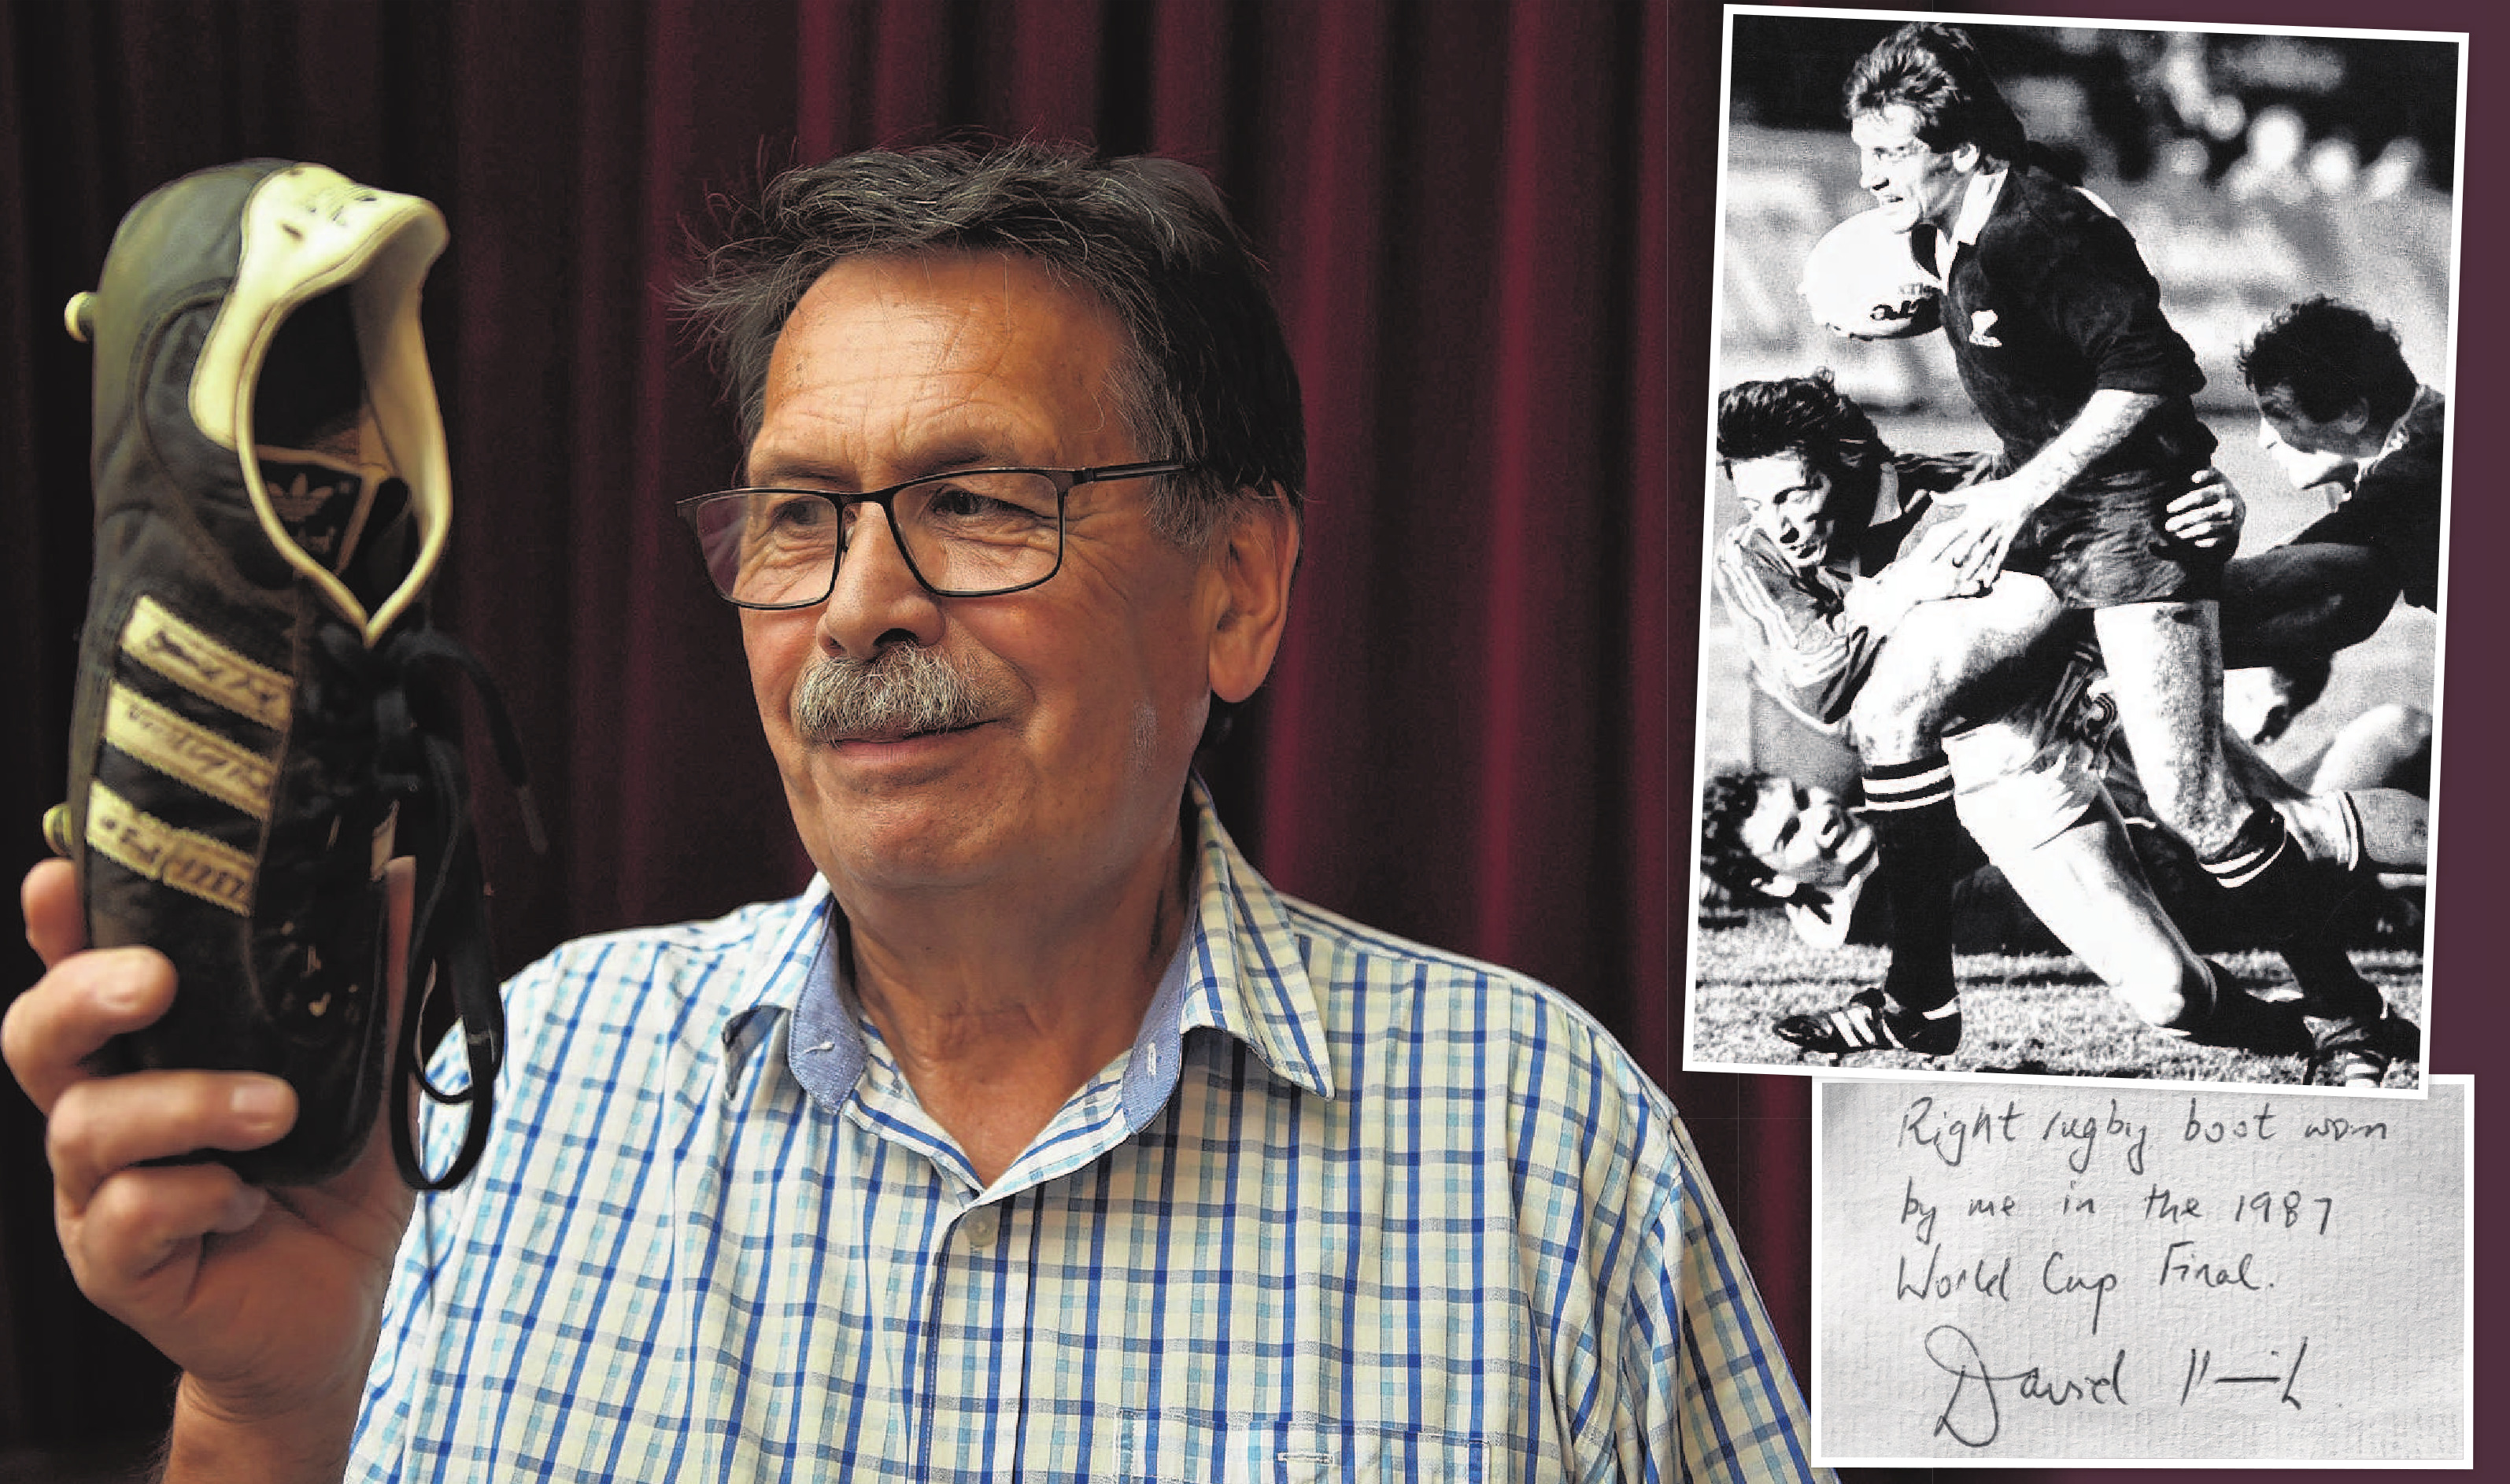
{"points": [[1089, 693], [1805, 835], [2257, 703], [1912, 183], [2309, 452], [1793, 502]]}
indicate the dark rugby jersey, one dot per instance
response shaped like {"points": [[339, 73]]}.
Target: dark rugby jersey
{"points": [[2052, 302], [2394, 507]]}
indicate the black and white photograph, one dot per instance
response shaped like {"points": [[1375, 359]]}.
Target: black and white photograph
{"points": [[2071, 576]]}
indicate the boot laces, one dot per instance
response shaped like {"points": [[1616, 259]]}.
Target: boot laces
{"points": [[383, 726]]}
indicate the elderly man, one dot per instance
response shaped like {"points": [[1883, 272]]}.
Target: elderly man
{"points": [[1038, 1137]]}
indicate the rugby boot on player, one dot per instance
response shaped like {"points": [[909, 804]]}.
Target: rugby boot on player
{"points": [[2358, 1052], [256, 727], [2239, 1021], [1867, 1023]]}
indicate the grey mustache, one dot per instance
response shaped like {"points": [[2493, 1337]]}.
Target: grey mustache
{"points": [[905, 689]]}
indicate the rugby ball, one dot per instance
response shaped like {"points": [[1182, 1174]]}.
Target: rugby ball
{"points": [[1864, 281]]}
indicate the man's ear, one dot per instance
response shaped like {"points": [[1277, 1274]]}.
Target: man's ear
{"points": [[1252, 559], [1966, 158]]}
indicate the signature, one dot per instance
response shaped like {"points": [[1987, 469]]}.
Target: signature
{"points": [[1974, 1415]]}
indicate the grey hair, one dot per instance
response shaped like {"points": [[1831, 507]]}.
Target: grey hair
{"points": [[1208, 380]]}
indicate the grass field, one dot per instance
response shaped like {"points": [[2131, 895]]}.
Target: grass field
{"points": [[2029, 1014], [2020, 1014]]}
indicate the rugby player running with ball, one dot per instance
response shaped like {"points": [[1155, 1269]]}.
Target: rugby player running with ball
{"points": [[2057, 331]]}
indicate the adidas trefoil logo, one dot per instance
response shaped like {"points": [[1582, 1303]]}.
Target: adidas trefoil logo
{"points": [[300, 499]]}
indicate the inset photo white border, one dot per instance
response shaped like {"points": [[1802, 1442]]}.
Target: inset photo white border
{"points": [[1954, 582]]}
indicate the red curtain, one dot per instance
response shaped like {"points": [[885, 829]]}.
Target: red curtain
{"points": [[1469, 738]]}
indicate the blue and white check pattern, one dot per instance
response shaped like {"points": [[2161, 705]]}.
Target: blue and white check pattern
{"points": [[1349, 1208]]}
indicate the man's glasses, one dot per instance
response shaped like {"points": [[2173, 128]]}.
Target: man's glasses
{"points": [[978, 533]]}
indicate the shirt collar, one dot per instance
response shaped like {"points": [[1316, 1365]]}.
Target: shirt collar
{"points": [[1977, 204], [2398, 432], [781, 963], [1238, 968], [1888, 503]]}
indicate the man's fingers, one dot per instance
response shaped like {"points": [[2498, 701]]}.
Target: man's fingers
{"points": [[106, 1125], [55, 926], [1983, 556], [1942, 544], [143, 1219], [72, 1012]]}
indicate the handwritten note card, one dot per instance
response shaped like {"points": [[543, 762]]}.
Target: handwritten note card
{"points": [[2050, 1274]]}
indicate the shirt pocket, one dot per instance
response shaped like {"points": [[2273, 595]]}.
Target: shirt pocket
{"points": [[1175, 1447]]}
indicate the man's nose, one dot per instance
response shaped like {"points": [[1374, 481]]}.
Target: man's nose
{"points": [[1869, 174], [876, 599]]}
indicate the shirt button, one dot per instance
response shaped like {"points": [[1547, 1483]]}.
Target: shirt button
{"points": [[981, 1226]]}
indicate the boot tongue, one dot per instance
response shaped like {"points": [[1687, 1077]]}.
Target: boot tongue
{"points": [[322, 499], [315, 437]]}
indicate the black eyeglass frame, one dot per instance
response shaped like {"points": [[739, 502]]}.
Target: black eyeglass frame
{"points": [[1063, 479]]}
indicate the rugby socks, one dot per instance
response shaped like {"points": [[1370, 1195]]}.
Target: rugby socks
{"points": [[1915, 834], [2288, 901], [2276, 889]]}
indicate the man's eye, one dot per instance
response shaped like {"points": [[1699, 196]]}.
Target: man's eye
{"points": [[957, 502], [986, 505], [801, 512]]}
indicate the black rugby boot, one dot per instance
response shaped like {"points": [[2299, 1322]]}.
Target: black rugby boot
{"points": [[256, 731]]}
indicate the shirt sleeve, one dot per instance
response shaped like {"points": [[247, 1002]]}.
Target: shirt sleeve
{"points": [[2395, 514], [2349, 524], [2091, 287], [1735, 1409], [1797, 637], [2399, 504], [1933, 473], [378, 1449]]}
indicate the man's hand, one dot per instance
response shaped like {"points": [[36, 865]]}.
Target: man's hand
{"points": [[1992, 513], [1878, 603], [268, 1299], [2209, 514], [1989, 516], [1972, 543]]}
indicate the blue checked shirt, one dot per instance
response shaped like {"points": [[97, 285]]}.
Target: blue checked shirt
{"points": [[1349, 1208]]}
